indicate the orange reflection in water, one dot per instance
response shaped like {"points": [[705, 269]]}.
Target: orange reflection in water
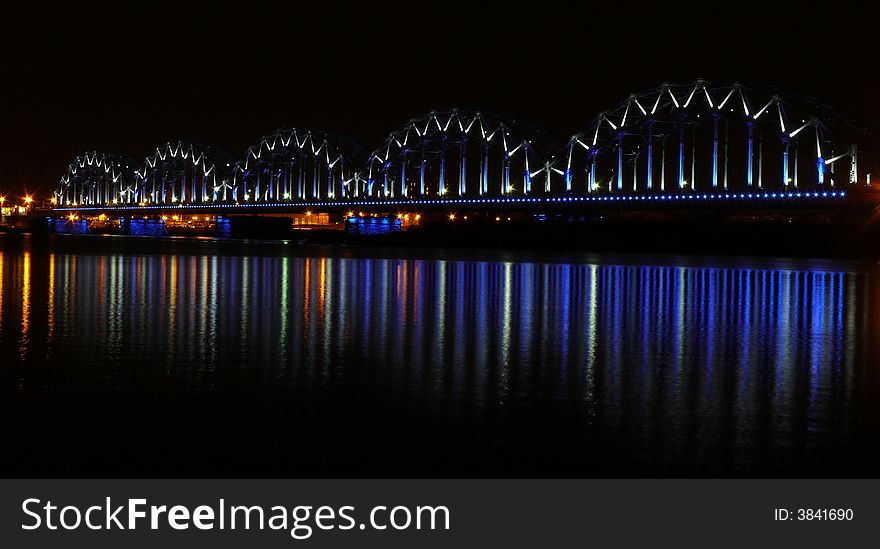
{"points": [[25, 302]]}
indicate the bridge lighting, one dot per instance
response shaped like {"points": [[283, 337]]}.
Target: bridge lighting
{"points": [[418, 216], [28, 199], [53, 200], [452, 217], [175, 218], [308, 214], [164, 218], [286, 196], [102, 217], [350, 214], [195, 218], [497, 218], [2, 200]]}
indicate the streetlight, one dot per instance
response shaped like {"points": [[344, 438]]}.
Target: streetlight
{"points": [[28, 199]]}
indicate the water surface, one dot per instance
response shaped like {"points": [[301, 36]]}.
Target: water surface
{"points": [[122, 356]]}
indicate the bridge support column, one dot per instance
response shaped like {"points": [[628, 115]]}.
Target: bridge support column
{"points": [[462, 172], [681, 178], [854, 164], [749, 166], [592, 186], [726, 144], [663, 167], [441, 182], [649, 179], [300, 178], [785, 178], [619, 161], [694, 157], [635, 172], [506, 175], [760, 162], [795, 167], [715, 151], [833, 179], [315, 191], [547, 173], [484, 169], [422, 170], [403, 192]]}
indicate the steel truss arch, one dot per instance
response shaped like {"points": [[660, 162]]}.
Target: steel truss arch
{"points": [[430, 155], [182, 173], [716, 137], [96, 179], [293, 164]]}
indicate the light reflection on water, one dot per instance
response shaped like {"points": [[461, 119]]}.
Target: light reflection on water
{"points": [[728, 367]]}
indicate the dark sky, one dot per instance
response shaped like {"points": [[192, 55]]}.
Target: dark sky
{"points": [[125, 80]]}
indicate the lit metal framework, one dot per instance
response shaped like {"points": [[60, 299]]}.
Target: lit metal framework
{"points": [[461, 153], [179, 173], [95, 179], [297, 165], [707, 137], [697, 138]]}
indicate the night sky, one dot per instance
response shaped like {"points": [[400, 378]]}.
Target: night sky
{"points": [[126, 81]]}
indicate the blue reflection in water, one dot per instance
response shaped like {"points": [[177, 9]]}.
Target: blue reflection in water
{"points": [[588, 363]]}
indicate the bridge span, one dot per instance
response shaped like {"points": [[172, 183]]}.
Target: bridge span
{"points": [[698, 145]]}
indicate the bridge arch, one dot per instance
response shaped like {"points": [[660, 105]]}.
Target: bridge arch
{"points": [[705, 136], [183, 173], [94, 179], [452, 153], [295, 165]]}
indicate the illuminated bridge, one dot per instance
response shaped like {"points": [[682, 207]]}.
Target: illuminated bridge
{"points": [[692, 145]]}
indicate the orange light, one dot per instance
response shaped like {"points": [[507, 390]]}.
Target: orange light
{"points": [[451, 217], [28, 199], [308, 214], [164, 218], [350, 214], [53, 200], [399, 216], [102, 217], [406, 217], [2, 199], [497, 219], [418, 216], [175, 217], [195, 218]]}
